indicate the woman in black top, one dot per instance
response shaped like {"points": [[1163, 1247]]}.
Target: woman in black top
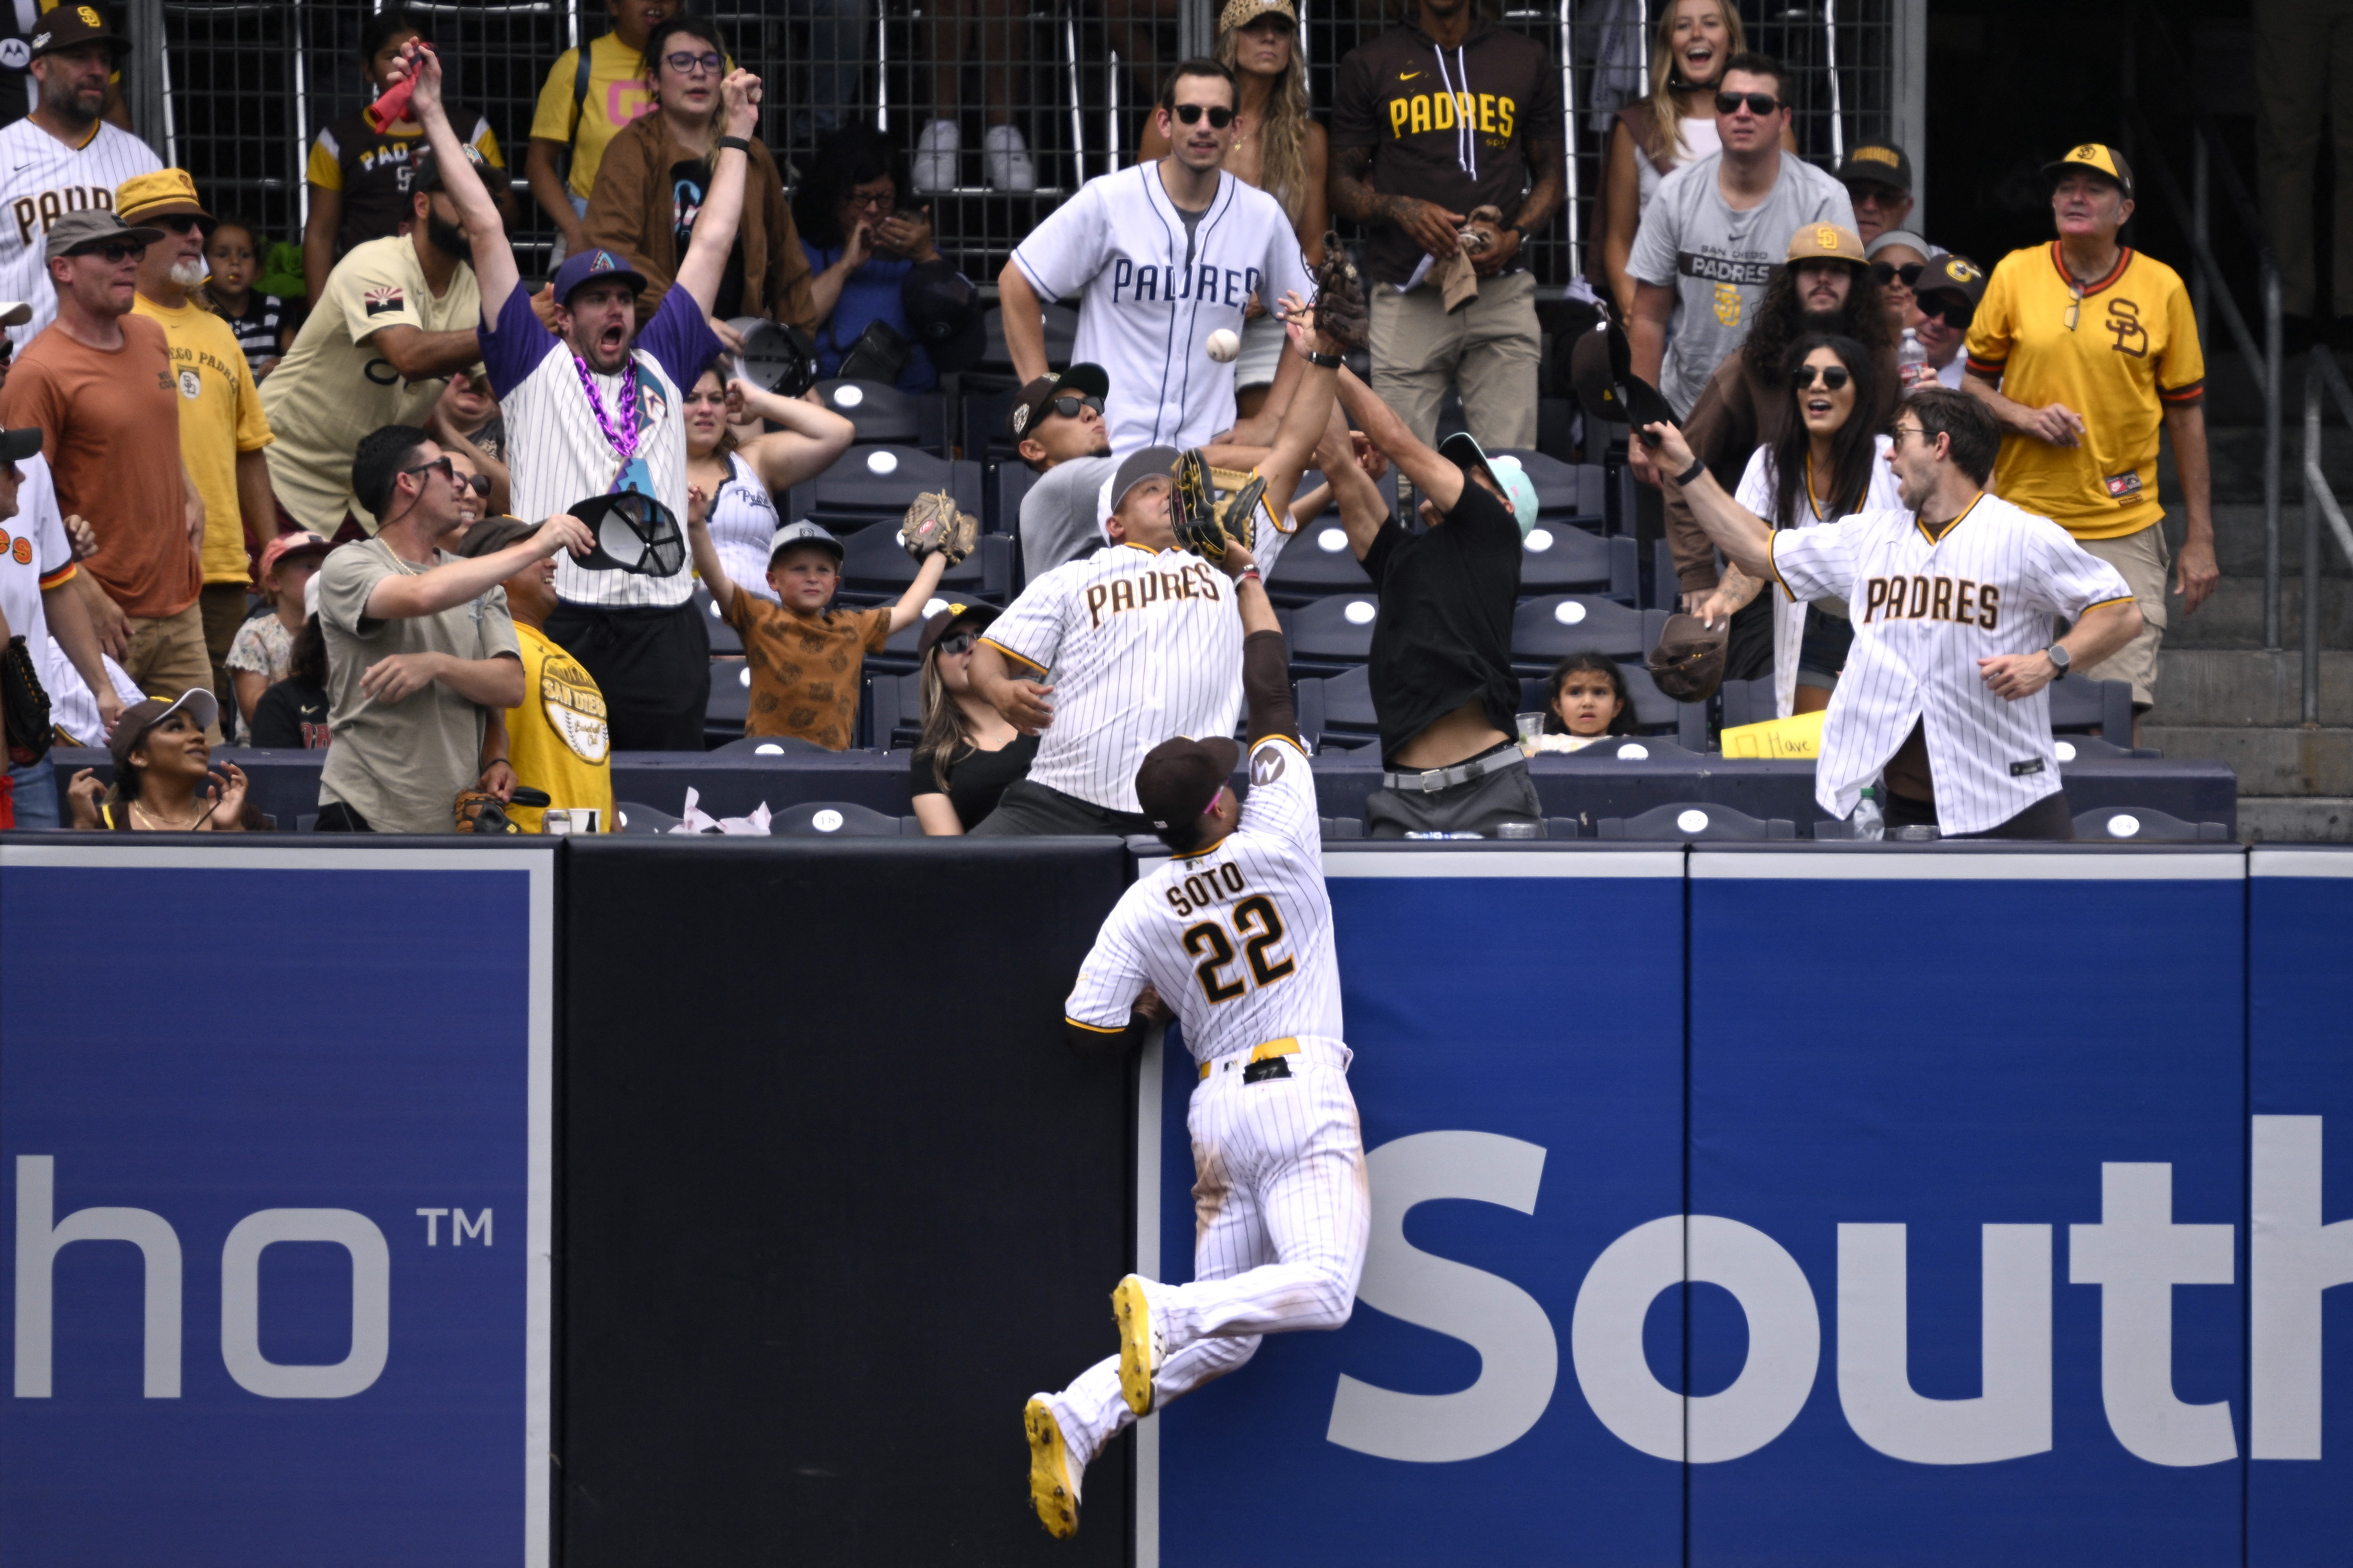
{"points": [[968, 752], [292, 715]]}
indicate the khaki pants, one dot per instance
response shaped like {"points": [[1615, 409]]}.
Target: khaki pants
{"points": [[1489, 348], [2144, 559], [2304, 58], [167, 657], [222, 605]]}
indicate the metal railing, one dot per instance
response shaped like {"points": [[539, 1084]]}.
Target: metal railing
{"points": [[2321, 367]]}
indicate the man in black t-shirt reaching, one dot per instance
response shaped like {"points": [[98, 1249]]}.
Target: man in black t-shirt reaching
{"points": [[1441, 677]]}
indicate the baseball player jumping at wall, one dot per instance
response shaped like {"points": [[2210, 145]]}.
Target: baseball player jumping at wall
{"points": [[1234, 933], [1953, 597], [1138, 640], [1161, 257]]}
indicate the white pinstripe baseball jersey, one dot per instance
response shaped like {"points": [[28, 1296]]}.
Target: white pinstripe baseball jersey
{"points": [[1150, 293], [559, 455], [1926, 610], [41, 180], [1237, 938], [1139, 648]]}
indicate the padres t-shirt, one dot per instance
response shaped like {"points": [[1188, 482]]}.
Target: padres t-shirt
{"points": [[1718, 258], [333, 387], [370, 168], [220, 416], [2121, 357], [558, 740]]}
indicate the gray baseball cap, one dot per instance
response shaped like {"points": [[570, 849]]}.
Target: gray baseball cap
{"points": [[802, 532], [91, 227], [1149, 463]]}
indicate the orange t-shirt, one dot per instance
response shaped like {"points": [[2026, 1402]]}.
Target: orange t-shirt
{"points": [[805, 668], [100, 413]]}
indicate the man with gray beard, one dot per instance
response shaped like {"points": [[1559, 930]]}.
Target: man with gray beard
{"points": [[222, 427]]}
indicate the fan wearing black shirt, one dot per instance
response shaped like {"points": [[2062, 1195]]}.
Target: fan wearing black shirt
{"points": [[1441, 666], [292, 715], [968, 752]]}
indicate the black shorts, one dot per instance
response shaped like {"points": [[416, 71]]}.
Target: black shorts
{"points": [[652, 665], [2047, 818], [1027, 809]]}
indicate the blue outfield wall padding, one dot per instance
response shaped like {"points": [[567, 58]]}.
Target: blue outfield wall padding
{"points": [[259, 1064], [1998, 1092], [2300, 1090], [1516, 1018]]}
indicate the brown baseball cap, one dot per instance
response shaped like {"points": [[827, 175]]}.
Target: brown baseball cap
{"points": [[973, 617], [1180, 778], [1826, 242], [1086, 379], [70, 27], [1951, 274], [1688, 663]]}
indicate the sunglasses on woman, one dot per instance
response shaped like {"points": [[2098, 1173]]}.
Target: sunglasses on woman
{"points": [[1190, 113], [1834, 376], [1759, 103], [958, 642], [1888, 272]]}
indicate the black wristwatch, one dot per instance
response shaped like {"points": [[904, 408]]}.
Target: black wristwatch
{"points": [[737, 142], [2057, 655], [1324, 361]]}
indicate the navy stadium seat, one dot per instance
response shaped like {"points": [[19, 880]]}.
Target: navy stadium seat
{"points": [[639, 819], [1560, 558], [1746, 702], [886, 415], [896, 709], [731, 702], [1547, 629], [1336, 712], [772, 747], [1062, 323], [1315, 562], [867, 485], [1331, 634], [1001, 494], [2080, 706], [723, 639], [2140, 825], [876, 569], [837, 820], [1563, 490], [1693, 822]]}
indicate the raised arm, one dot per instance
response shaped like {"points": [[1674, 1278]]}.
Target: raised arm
{"points": [[700, 270], [707, 564], [401, 599], [812, 438], [1266, 667], [494, 262], [1432, 475], [1740, 533], [1024, 324], [1305, 420]]}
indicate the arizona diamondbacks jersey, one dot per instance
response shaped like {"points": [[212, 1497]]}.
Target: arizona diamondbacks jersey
{"points": [[1150, 293], [1926, 610], [1140, 648], [1236, 937], [41, 180]]}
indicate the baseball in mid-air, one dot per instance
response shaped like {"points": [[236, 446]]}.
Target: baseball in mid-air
{"points": [[1224, 344]]}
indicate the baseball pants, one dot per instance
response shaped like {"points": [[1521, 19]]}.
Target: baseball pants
{"points": [[1281, 1213]]}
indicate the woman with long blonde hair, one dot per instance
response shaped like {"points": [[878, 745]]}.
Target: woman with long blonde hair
{"points": [[1279, 148], [1673, 126]]}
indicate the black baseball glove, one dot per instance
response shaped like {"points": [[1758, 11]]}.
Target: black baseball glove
{"points": [[1341, 312], [1203, 526]]}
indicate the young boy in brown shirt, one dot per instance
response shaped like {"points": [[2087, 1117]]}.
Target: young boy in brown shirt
{"points": [[805, 659]]}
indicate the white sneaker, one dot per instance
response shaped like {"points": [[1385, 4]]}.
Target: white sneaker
{"points": [[935, 156], [1006, 158]]}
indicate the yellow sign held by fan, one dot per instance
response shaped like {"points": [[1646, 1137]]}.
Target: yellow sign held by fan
{"points": [[1777, 738]]}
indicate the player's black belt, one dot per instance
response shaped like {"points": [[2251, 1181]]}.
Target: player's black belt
{"points": [[1436, 779]]}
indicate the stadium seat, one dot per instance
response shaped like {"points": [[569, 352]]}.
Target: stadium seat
{"points": [[1693, 822], [876, 569], [874, 484], [984, 415], [1343, 827], [1328, 636], [894, 710], [2140, 825], [1560, 558], [1746, 702], [723, 639], [1666, 589], [2093, 748], [1565, 492], [731, 702], [639, 819], [836, 818], [1547, 629], [1336, 712], [1316, 562], [2080, 706], [1062, 323], [1001, 493], [886, 415], [771, 746]]}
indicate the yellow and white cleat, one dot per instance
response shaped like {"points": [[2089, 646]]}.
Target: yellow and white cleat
{"points": [[1142, 1345], [1053, 1481]]}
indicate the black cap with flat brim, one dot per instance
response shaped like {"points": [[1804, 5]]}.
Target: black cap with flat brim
{"points": [[634, 533], [15, 445]]}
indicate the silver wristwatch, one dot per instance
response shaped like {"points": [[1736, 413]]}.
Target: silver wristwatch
{"points": [[2058, 656]]}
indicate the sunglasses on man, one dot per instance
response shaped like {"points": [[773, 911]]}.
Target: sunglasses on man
{"points": [[1955, 309], [1834, 376], [1888, 272], [1067, 407], [1190, 113], [114, 252], [1759, 103], [477, 484]]}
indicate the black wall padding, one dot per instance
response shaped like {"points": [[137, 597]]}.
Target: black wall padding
{"points": [[838, 1199]]}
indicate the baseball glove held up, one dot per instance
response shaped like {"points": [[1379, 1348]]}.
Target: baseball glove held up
{"points": [[1203, 525], [933, 525], [1341, 312]]}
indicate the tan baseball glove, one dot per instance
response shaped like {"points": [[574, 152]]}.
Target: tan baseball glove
{"points": [[934, 526]]}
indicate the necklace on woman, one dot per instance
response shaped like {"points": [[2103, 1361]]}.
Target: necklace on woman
{"points": [[165, 822]]}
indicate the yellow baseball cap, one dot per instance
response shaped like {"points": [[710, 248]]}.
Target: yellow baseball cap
{"points": [[1825, 241], [2098, 157], [158, 194]]}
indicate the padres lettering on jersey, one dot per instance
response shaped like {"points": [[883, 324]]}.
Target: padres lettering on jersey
{"points": [[1236, 937], [1929, 608], [1150, 293], [41, 180], [1142, 590]]}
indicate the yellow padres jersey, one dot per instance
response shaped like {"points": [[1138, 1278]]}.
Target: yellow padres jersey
{"points": [[1237, 938], [558, 740], [2117, 353]]}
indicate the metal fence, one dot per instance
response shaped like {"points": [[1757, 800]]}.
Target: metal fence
{"points": [[245, 86]]}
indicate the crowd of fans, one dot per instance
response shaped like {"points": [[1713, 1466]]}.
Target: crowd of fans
{"points": [[388, 529]]}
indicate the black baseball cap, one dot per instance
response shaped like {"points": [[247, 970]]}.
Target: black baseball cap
{"points": [[1179, 778], [1878, 164], [972, 617], [15, 445], [70, 27], [1086, 379]]}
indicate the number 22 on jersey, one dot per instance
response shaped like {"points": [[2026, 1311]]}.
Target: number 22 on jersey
{"points": [[1256, 924]]}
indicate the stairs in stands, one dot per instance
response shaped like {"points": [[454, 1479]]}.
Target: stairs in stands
{"points": [[2221, 694]]}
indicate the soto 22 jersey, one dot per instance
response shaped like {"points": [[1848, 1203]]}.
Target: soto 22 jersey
{"points": [[1237, 938], [1151, 289]]}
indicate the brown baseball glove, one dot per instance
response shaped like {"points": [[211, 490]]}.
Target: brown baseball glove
{"points": [[934, 525], [479, 811], [1341, 312], [1203, 525]]}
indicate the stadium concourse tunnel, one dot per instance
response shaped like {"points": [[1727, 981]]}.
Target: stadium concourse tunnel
{"points": [[720, 1201]]}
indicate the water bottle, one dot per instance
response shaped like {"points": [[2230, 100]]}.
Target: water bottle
{"points": [[1912, 369], [1870, 822]]}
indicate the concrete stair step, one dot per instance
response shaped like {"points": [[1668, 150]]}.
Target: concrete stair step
{"points": [[2295, 819], [2232, 615], [2239, 539], [2274, 761], [2246, 687]]}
